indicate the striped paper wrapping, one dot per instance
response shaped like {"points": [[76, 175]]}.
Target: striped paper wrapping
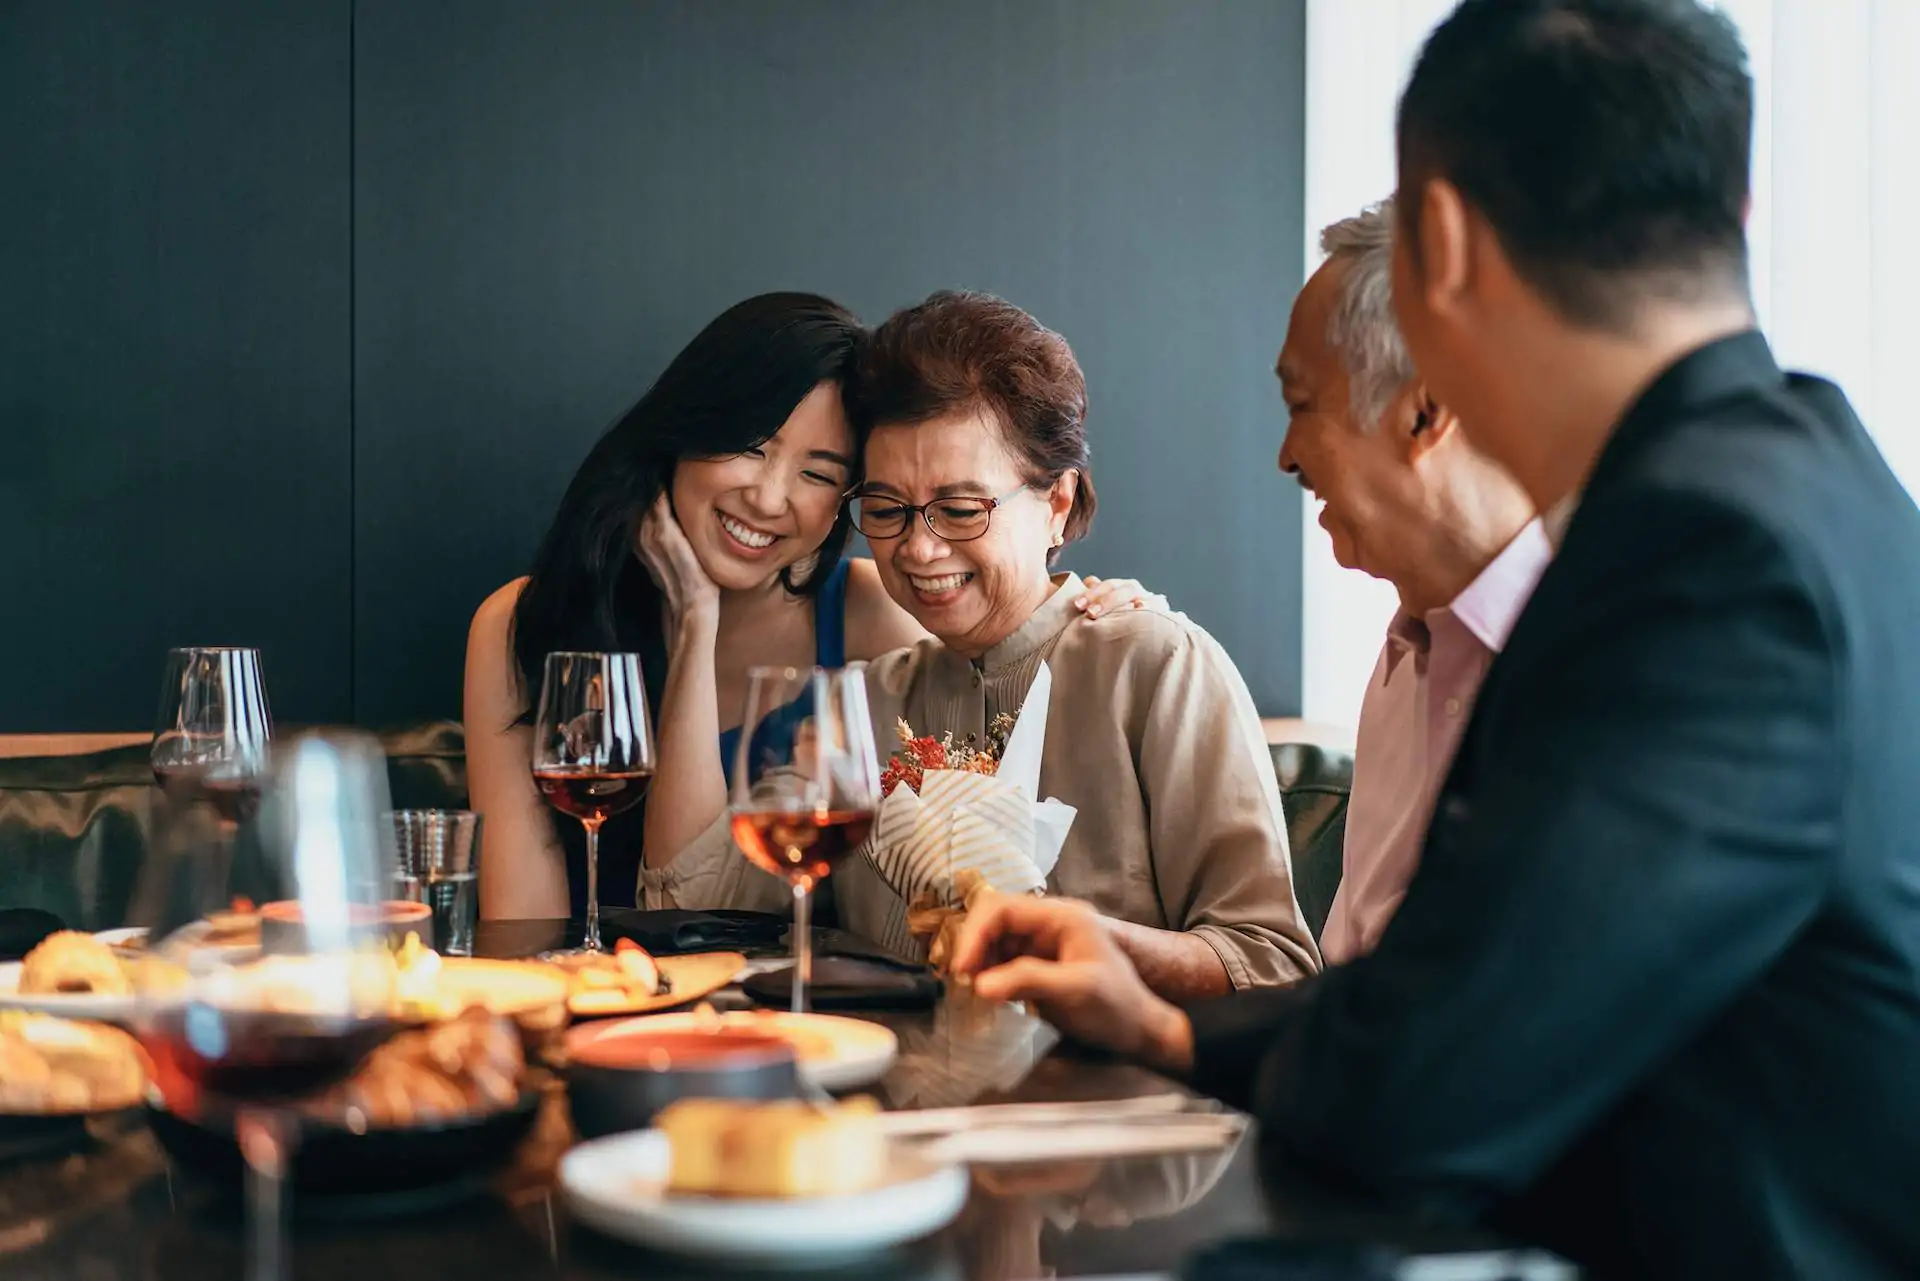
{"points": [[960, 821]]}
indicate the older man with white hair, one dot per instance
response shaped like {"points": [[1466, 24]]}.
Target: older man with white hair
{"points": [[1408, 499]]}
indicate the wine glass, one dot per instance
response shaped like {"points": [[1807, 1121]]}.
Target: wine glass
{"points": [[242, 1044], [592, 752], [806, 782], [210, 738]]}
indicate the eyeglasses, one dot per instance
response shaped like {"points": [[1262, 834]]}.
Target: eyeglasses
{"points": [[952, 520]]}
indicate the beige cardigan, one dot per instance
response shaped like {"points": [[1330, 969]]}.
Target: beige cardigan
{"points": [[1151, 736]]}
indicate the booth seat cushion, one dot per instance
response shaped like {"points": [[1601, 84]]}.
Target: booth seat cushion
{"points": [[1314, 783], [75, 829]]}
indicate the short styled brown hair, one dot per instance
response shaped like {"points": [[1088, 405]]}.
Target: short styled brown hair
{"points": [[957, 352]]}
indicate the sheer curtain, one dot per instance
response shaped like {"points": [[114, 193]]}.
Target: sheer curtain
{"points": [[1836, 279]]}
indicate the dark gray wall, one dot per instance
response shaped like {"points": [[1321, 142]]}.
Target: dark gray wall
{"points": [[174, 351], [546, 202]]}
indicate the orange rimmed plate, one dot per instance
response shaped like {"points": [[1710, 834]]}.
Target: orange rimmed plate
{"points": [[687, 978]]}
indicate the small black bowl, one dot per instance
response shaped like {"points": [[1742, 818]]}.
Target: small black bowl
{"points": [[619, 1075], [331, 1161]]}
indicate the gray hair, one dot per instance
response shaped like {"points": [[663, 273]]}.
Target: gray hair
{"points": [[1363, 329]]}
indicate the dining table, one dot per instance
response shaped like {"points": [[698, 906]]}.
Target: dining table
{"points": [[114, 1209]]}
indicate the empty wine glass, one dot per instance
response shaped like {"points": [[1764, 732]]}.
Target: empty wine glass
{"points": [[806, 782], [210, 737], [592, 752]]}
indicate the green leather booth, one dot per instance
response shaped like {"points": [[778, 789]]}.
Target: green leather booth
{"points": [[73, 829]]}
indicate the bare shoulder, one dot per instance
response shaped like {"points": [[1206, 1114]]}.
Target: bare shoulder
{"points": [[490, 685], [875, 624], [496, 611]]}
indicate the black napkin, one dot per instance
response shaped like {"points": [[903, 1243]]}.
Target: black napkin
{"points": [[851, 983], [668, 933], [22, 928]]}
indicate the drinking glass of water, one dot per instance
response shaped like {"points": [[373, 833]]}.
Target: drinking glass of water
{"points": [[439, 865]]}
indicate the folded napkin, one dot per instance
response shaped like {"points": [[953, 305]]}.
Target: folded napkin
{"points": [[850, 983], [674, 931]]}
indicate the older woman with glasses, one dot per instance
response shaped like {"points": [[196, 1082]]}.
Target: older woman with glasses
{"points": [[976, 475]]}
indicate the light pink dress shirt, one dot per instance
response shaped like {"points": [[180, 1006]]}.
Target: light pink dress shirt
{"points": [[1418, 700]]}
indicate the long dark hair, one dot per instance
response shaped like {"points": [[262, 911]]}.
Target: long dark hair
{"points": [[728, 391]]}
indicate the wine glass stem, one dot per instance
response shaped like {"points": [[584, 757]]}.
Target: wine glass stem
{"points": [[802, 943], [591, 941], [265, 1143]]}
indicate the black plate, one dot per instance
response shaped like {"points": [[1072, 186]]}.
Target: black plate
{"points": [[391, 1169]]}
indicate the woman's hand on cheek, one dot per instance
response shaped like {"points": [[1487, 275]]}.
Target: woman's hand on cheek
{"points": [[671, 561], [1110, 595]]}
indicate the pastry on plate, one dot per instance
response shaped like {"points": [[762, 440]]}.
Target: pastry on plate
{"points": [[785, 1148], [51, 1066], [69, 962], [466, 1066], [625, 976]]}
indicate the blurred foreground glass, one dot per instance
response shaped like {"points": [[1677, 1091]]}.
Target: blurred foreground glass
{"points": [[592, 751], [439, 865], [211, 734], [806, 782], [236, 1039]]}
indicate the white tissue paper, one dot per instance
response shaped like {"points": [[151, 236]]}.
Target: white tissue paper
{"points": [[993, 824]]}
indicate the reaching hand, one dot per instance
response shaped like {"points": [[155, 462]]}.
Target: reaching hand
{"points": [[1112, 595], [674, 567], [1060, 956]]}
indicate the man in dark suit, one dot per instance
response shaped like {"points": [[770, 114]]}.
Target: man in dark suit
{"points": [[1653, 997]]}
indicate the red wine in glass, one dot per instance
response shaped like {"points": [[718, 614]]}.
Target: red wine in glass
{"points": [[592, 794], [800, 844], [592, 751], [234, 798], [253, 1055]]}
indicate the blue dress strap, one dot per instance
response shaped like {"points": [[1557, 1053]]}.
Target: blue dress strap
{"points": [[829, 650], [830, 619]]}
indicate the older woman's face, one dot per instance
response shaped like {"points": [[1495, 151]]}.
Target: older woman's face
{"points": [[971, 595]]}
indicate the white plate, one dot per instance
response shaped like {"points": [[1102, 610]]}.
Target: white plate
{"points": [[862, 1051], [618, 1185], [87, 1005], [200, 956], [71, 1005]]}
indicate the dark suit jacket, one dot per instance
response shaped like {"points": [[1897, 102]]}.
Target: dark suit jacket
{"points": [[1653, 997]]}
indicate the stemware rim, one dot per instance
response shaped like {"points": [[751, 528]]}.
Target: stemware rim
{"points": [[213, 649], [592, 653]]}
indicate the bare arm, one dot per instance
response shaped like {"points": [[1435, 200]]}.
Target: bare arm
{"points": [[1176, 965], [523, 873], [689, 783]]}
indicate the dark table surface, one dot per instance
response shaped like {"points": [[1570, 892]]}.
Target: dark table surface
{"points": [[114, 1211]]}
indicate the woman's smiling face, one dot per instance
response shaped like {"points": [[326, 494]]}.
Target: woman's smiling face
{"points": [[971, 594], [755, 514]]}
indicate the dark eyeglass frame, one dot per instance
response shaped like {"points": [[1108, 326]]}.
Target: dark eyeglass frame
{"points": [[923, 510]]}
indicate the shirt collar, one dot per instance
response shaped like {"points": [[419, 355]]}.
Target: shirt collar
{"points": [[1558, 517], [1045, 623], [1491, 603]]}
